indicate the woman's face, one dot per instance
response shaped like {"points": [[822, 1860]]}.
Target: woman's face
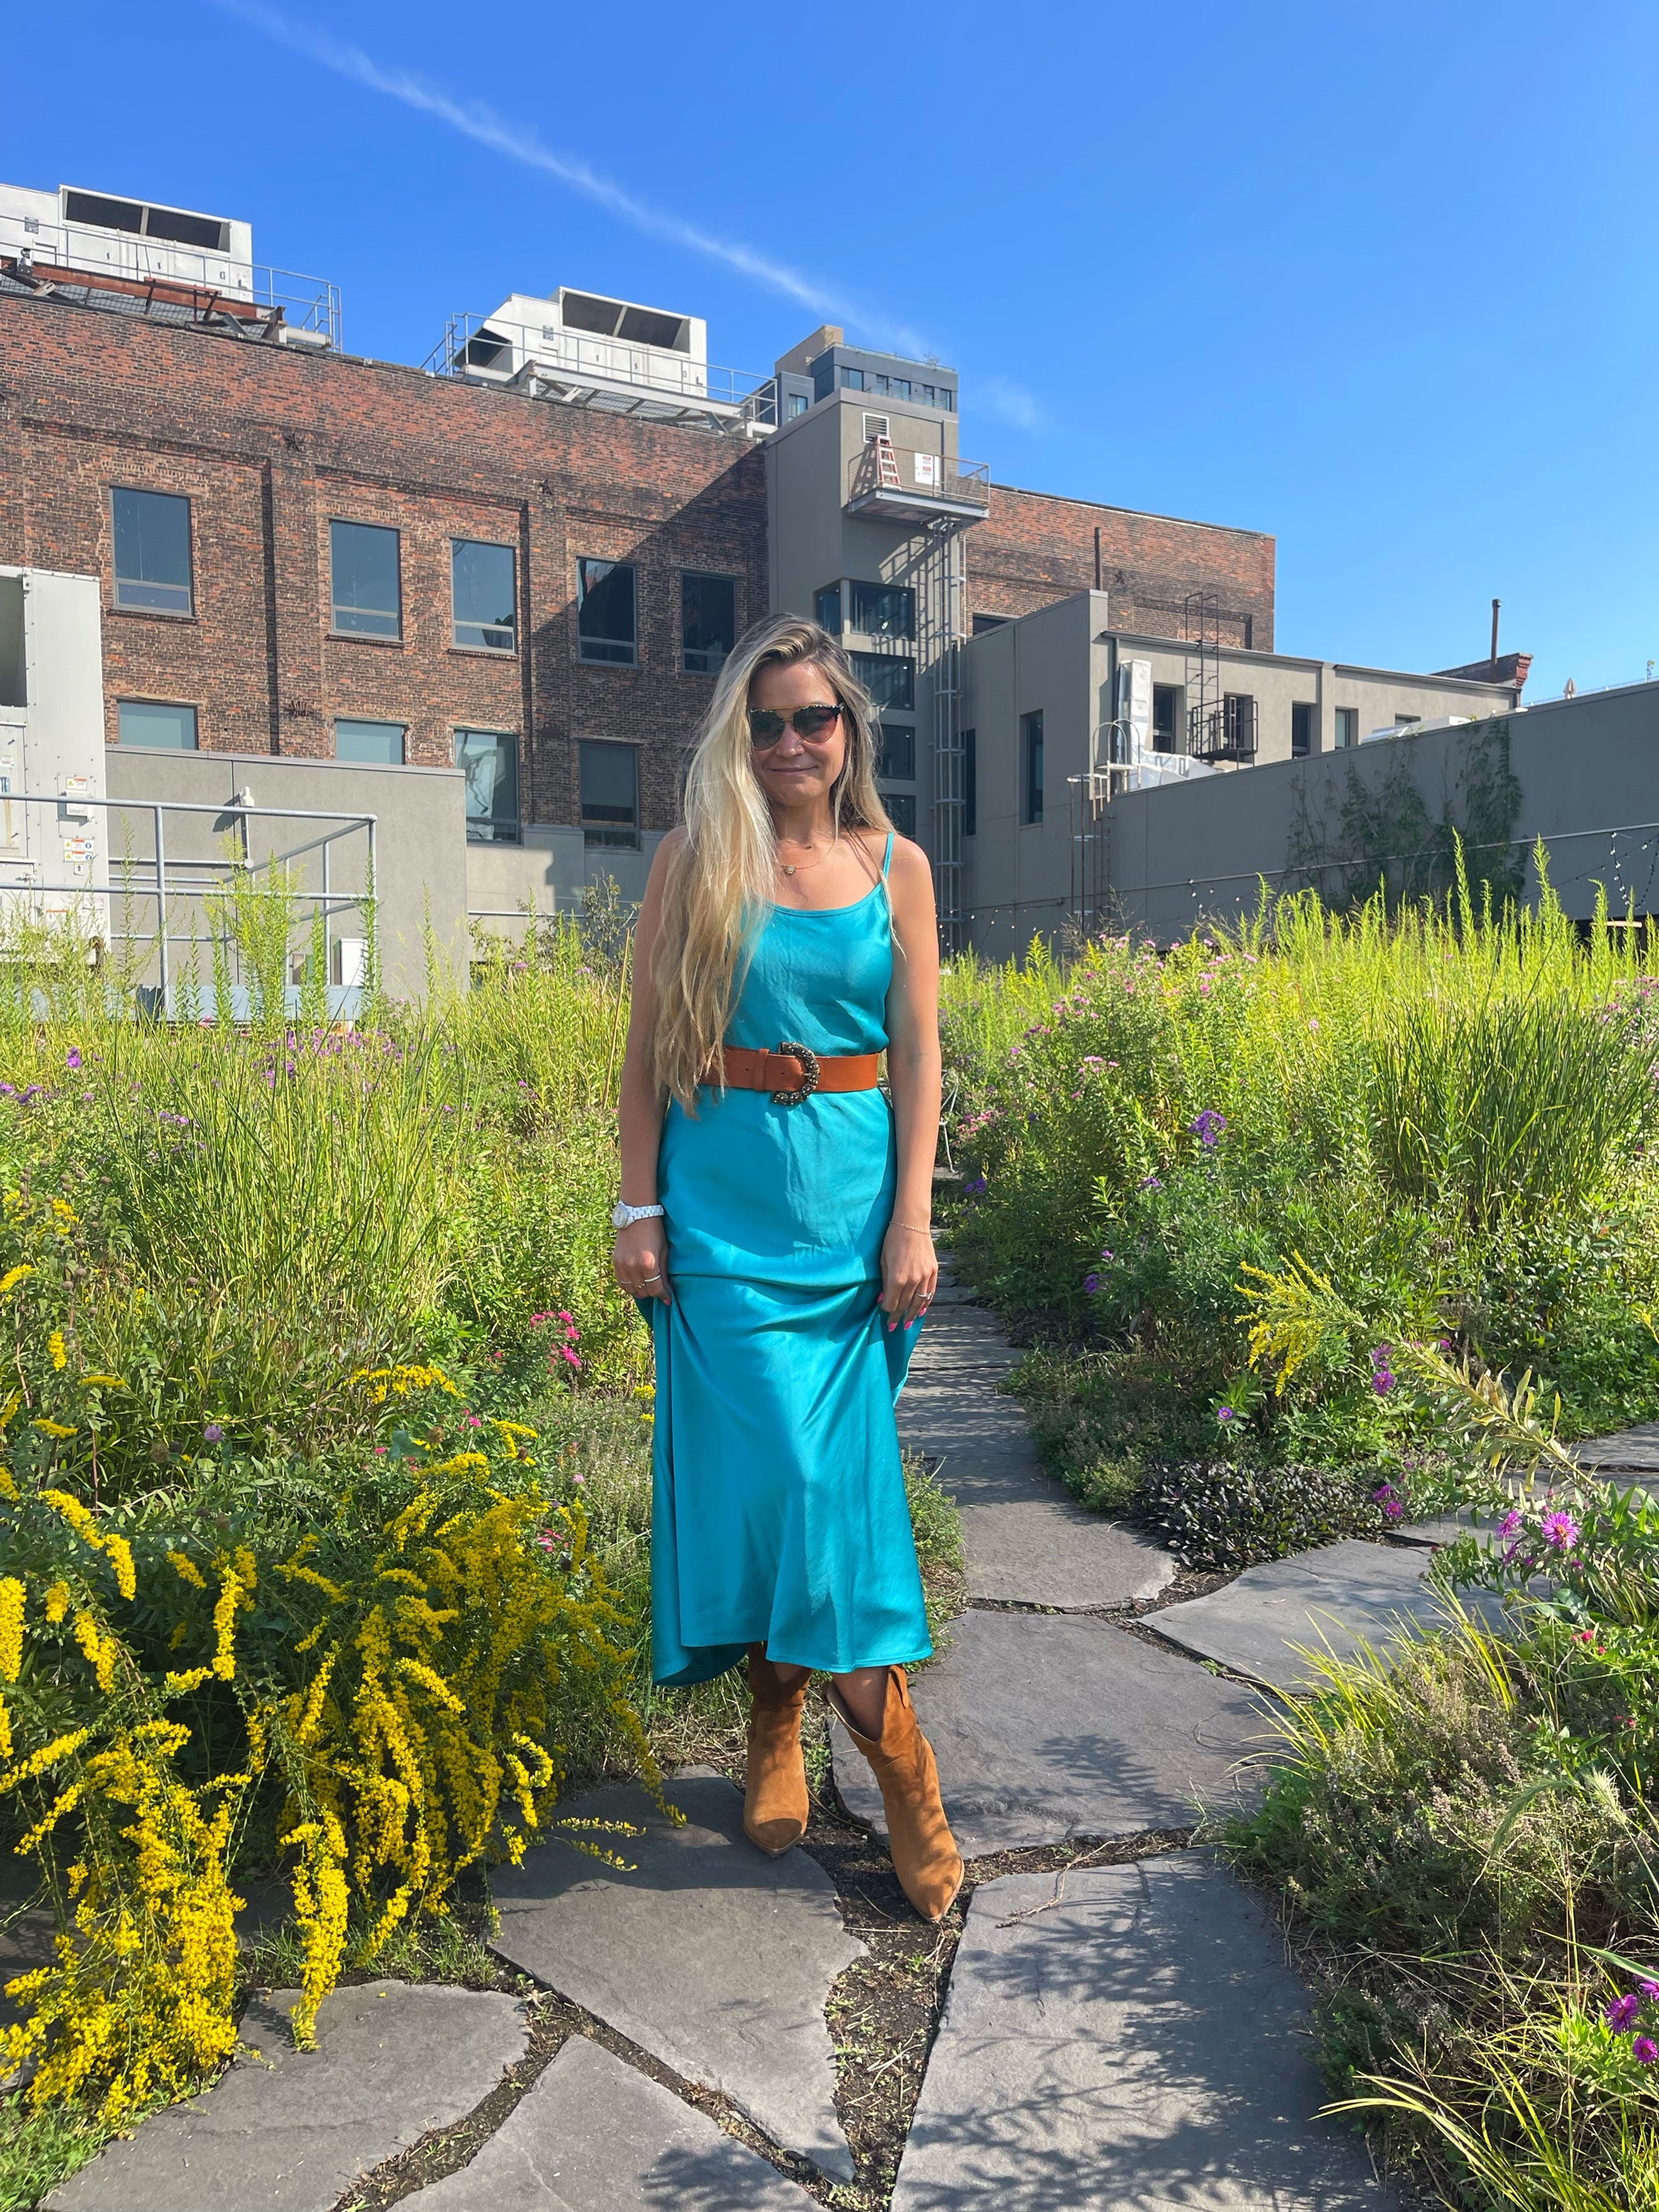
{"points": [[796, 771]]}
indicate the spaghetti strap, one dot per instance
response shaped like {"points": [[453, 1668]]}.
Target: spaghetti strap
{"points": [[887, 857]]}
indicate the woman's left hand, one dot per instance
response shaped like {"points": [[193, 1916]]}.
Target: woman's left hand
{"points": [[909, 1274]]}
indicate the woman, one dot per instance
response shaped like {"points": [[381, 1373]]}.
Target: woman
{"points": [[777, 1214]]}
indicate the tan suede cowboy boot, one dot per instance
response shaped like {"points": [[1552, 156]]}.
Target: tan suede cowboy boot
{"points": [[775, 1805], [925, 1854]]}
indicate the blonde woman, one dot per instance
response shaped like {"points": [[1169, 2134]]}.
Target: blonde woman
{"points": [[775, 1208]]}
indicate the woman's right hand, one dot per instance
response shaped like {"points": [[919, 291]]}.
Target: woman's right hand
{"points": [[641, 1259]]}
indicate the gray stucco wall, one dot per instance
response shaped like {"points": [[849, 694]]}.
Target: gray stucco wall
{"points": [[421, 850], [1588, 773]]}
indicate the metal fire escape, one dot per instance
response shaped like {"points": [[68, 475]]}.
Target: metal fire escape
{"points": [[1201, 625]]}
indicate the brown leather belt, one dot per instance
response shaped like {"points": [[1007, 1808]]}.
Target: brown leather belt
{"points": [[793, 1071]]}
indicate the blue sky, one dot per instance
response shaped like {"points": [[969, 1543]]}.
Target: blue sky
{"points": [[1379, 281]]}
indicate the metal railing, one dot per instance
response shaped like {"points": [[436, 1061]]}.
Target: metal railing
{"points": [[498, 349], [157, 876], [962, 483], [42, 251]]}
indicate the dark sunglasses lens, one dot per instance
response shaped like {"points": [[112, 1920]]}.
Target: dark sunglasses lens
{"points": [[765, 727], [813, 721]]}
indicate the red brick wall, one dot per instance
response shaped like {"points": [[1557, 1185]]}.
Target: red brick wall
{"points": [[269, 445], [1034, 549]]}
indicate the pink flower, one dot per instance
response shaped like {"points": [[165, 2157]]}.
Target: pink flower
{"points": [[1560, 1531]]}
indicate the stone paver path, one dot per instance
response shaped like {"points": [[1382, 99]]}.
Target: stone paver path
{"points": [[1113, 2037], [1331, 1600], [289, 2130], [1026, 1541], [1126, 2037], [1047, 1726], [715, 1959], [594, 2135], [1631, 1456]]}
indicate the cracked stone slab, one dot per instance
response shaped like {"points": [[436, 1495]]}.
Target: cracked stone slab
{"points": [[966, 1336], [1024, 1541], [708, 1955], [1127, 2036], [1051, 1725], [596, 2135], [1633, 1453], [1333, 1600], [292, 2130]]}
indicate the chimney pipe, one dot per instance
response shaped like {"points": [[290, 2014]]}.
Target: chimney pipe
{"points": [[1495, 606], [1096, 557]]}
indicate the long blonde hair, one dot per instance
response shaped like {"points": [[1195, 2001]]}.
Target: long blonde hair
{"points": [[719, 886]]}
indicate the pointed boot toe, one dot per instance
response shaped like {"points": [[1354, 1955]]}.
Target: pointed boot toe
{"points": [[776, 1804]]}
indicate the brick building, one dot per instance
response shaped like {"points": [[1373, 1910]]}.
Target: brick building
{"points": [[531, 564]]}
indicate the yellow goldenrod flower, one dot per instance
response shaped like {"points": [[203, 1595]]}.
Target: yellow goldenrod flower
{"points": [[58, 1349], [7, 1484], [12, 1277], [53, 1428], [186, 1569], [57, 1600], [13, 1596], [120, 1557]]}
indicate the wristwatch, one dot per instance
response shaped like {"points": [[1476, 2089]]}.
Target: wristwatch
{"points": [[621, 1214]]}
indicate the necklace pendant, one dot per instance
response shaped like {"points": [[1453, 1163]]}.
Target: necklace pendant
{"points": [[788, 867]]}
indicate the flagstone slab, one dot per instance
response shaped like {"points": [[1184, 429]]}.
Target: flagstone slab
{"points": [[1632, 1456], [708, 1955], [1025, 1542], [594, 2134], [1334, 1599], [1051, 1725], [289, 2131], [1127, 2036]]}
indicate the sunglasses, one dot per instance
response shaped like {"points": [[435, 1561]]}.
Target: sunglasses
{"points": [[765, 726]]}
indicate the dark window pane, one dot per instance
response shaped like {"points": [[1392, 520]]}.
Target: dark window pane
{"points": [[145, 722], [896, 751], [983, 622], [853, 379], [1347, 725], [186, 229], [606, 622], [490, 762], [107, 215], [708, 621], [797, 404], [381, 743], [969, 782], [484, 578], [611, 794], [826, 606], [889, 678], [366, 596], [152, 550], [1301, 730], [1166, 717], [1031, 732], [902, 810], [883, 610]]}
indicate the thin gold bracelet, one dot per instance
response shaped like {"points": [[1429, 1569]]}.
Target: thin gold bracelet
{"points": [[916, 1228]]}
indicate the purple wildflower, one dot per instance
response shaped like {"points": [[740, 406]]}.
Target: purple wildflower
{"points": [[1207, 1128], [1624, 2012], [976, 1187], [1150, 1183], [1650, 1990], [1510, 1525], [213, 1433], [73, 1057], [1393, 1509], [1645, 2050], [1560, 1531], [1381, 1381], [1226, 1414], [1091, 1285], [1105, 1254]]}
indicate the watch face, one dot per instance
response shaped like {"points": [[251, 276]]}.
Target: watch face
{"points": [[620, 1216]]}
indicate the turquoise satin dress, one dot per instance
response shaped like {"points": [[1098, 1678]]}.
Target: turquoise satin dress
{"points": [[780, 1514]]}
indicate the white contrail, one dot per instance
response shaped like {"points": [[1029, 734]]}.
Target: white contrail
{"points": [[480, 123]]}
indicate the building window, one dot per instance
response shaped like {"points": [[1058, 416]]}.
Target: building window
{"points": [[485, 595], [708, 621], [1405, 722], [796, 404], [490, 762], [606, 615], [152, 722], [1166, 718], [1238, 720], [882, 610], [152, 551], [896, 751], [826, 609], [901, 810], [1030, 766], [367, 595], [983, 622], [1347, 726], [611, 793], [381, 743], [889, 678], [852, 379], [1303, 723], [969, 782]]}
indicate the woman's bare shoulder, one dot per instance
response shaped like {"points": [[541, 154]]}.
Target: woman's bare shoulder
{"points": [[910, 867]]}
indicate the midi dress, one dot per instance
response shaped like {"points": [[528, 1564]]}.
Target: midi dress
{"points": [[779, 1512]]}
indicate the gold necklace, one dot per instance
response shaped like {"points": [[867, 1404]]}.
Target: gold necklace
{"points": [[798, 867]]}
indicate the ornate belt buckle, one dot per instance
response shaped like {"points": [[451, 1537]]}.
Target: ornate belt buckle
{"points": [[809, 1079]]}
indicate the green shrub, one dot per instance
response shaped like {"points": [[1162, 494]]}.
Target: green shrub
{"points": [[1216, 1515]]}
